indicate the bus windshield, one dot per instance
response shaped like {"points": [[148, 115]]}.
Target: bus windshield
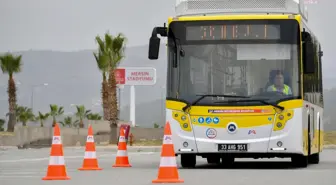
{"points": [[238, 69], [259, 59]]}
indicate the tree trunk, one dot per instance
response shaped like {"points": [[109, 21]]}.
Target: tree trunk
{"points": [[11, 122], [113, 107], [41, 123], [81, 124], [24, 124], [105, 95], [113, 134], [12, 102], [54, 122]]}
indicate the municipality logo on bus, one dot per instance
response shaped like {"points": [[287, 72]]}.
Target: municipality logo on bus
{"points": [[232, 127]]}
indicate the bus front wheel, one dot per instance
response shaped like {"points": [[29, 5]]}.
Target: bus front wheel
{"points": [[188, 160], [300, 161]]}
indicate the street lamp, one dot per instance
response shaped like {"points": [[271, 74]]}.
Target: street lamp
{"points": [[32, 95]]}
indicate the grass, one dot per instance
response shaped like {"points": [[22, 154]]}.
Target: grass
{"points": [[156, 142], [6, 134]]}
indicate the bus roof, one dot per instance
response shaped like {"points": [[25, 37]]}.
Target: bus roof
{"points": [[229, 7]]}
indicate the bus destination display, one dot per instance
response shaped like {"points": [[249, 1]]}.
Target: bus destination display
{"points": [[233, 32]]}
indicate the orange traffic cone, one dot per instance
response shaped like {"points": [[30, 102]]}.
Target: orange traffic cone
{"points": [[56, 167], [122, 157], [168, 169], [90, 161]]}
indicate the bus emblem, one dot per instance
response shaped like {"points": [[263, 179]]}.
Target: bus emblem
{"points": [[232, 128]]}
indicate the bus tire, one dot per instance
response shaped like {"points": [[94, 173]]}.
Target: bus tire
{"points": [[188, 160], [300, 161], [213, 160], [314, 158]]}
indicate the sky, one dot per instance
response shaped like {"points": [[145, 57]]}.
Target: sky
{"points": [[71, 25], [68, 25]]}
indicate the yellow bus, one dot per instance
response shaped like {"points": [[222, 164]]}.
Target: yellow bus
{"points": [[243, 85]]}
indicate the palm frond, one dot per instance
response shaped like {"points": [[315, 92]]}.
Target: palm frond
{"points": [[10, 63]]}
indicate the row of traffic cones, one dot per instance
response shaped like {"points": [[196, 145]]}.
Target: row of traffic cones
{"points": [[168, 172]]}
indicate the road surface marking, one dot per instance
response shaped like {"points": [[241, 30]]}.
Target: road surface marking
{"points": [[69, 157]]}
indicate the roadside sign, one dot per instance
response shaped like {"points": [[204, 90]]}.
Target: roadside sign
{"points": [[120, 76], [136, 76]]}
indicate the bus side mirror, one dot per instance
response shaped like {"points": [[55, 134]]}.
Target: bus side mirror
{"points": [[154, 47], [309, 58]]}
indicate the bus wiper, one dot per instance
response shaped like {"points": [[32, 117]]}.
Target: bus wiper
{"points": [[254, 100], [210, 95]]}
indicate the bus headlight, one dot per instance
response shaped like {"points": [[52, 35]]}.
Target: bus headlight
{"points": [[279, 124], [183, 120], [281, 117]]}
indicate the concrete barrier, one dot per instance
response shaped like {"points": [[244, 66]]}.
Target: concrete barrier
{"points": [[41, 136]]}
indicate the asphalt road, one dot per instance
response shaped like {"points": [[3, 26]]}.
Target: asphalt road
{"points": [[29, 166]]}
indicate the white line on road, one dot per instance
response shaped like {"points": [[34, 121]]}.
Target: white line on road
{"points": [[19, 176], [68, 157], [18, 173]]}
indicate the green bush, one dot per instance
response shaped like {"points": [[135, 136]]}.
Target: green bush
{"points": [[2, 123]]}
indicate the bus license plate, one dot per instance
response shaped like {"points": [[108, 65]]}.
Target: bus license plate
{"points": [[232, 147]]}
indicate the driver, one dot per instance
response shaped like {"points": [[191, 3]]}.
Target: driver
{"points": [[278, 84]]}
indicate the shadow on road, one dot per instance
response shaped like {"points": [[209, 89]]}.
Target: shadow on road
{"points": [[249, 165]]}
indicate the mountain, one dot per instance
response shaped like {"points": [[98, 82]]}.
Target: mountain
{"points": [[73, 78]]}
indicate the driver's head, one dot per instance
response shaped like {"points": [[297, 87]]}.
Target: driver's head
{"points": [[279, 79]]}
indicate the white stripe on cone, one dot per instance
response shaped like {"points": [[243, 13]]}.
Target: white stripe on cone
{"points": [[89, 139], [168, 162], [167, 139], [122, 153], [56, 160], [57, 140], [90, 155], [122, 139]]}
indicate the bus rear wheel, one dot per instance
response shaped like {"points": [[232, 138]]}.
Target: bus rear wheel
{"points": [[188, 160], [314, 158]]}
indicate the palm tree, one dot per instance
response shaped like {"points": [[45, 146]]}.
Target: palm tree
{"points": [[68, 122], [103, 65], [42, 117], [94, 116], [2, 123], [26, 115], [114, 49], [55, 111], [18, 110], [11, 64], [81, 113]]}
